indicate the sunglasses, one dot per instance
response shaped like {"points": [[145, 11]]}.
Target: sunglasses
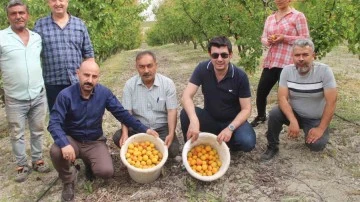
{"points": [[216, 55]]}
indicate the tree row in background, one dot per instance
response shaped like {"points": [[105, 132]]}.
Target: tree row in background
{"points": [[113, 25], [331, 22]]}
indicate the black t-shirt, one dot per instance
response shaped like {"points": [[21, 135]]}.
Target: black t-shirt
{"points": [[221, 99]]}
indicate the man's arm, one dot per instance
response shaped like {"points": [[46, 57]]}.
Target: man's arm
{"points": [[241, 117], [189, 107], [57, 119], [329, 110], [124, 133], [172, 120], [283, 98]]}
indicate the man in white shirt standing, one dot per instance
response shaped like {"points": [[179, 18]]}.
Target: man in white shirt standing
{"points": [[23, 83]]}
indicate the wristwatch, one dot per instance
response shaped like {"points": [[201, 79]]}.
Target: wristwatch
{"points": [[231, 127]]}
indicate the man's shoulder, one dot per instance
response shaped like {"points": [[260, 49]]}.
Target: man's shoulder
{"points": [[133, 80], [43, 20], [321, 65], [75, 19], [163, 77], [102, 87]]}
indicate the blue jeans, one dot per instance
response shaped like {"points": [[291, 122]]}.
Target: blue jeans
{"points": [[277, 119], [17, 112], [243, 138]]}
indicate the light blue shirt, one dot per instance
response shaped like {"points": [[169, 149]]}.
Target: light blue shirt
{"points": [[20, 65], [150, 105]]}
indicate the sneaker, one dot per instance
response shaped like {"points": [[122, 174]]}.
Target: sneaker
{"points": [[270, 153], [23, 173], [68, 192], [258, 120], [40, 166]]}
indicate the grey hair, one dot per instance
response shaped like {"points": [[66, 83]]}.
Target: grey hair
{"points": [[143, 53], [13, 3], [303, 43]]}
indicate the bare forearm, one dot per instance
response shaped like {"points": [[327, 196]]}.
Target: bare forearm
{"points": [[287, 110], [172, 119]]}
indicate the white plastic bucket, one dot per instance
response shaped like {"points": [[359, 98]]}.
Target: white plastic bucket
{"points": [[222, 149], [149, 174]]}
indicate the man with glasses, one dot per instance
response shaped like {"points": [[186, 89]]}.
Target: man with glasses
{"points": [[227, 100]]}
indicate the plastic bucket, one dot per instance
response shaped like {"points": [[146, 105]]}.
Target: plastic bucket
{"points": [[149, 174], [222, 149]]}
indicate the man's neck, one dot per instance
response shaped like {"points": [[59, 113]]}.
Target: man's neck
{"points": [[23, 34], [220, 74], [149, 84], [61, 19]]}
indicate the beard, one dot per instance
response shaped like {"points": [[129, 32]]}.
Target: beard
{"points": [[304, 68]]}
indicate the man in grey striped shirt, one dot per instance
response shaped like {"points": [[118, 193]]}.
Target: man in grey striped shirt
{"points": [[151, 98], [307, 99]]}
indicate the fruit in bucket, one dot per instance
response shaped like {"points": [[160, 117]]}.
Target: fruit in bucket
{"points": [[143, 155], [204, 160]]}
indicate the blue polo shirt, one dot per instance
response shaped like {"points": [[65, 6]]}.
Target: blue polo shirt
{"points": [[221, 99], [82, 118]]}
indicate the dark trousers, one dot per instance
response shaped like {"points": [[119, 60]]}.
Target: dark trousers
{"points": [[51, 93], [277, 119], [243, 138], [268, 79], [163, 132], [93, 153]]}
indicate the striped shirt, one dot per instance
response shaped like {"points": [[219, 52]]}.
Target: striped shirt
{"points": [[293, 26], [150, 105], [63, 49], [306, 93]]}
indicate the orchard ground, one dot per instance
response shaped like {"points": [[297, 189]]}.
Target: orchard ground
{"points": [[296, 174]]}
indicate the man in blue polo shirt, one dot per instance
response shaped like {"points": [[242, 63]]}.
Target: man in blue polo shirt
{"points": [[227, 100]]}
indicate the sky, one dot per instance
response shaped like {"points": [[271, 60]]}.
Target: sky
{"points": [[148, 13]]}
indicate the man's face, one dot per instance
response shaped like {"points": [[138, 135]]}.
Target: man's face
{"points": [[303, 58], [146, 66], [220, 57], [58, 6], [17, 17], [88, 75]]}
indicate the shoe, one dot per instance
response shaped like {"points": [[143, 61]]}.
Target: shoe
{"points": [[68, 192], [40, 166], [258, 120], [23, 173], [89, 173], [270, 153]]}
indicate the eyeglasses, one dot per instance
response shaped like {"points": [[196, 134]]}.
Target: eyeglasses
{"points": [[216, 55]]}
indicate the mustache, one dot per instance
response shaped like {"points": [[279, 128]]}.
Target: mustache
{"points": [[89, 84]]}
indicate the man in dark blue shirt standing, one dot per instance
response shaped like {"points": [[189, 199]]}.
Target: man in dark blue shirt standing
{"points": [[76, 127], [227, 100]]}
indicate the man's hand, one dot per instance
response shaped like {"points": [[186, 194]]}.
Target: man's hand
{"points": [[193, 131], [152, 132], [294, 129], [168, 140], [314, 134], [123, 138], [225, 135], [68, 153]]}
